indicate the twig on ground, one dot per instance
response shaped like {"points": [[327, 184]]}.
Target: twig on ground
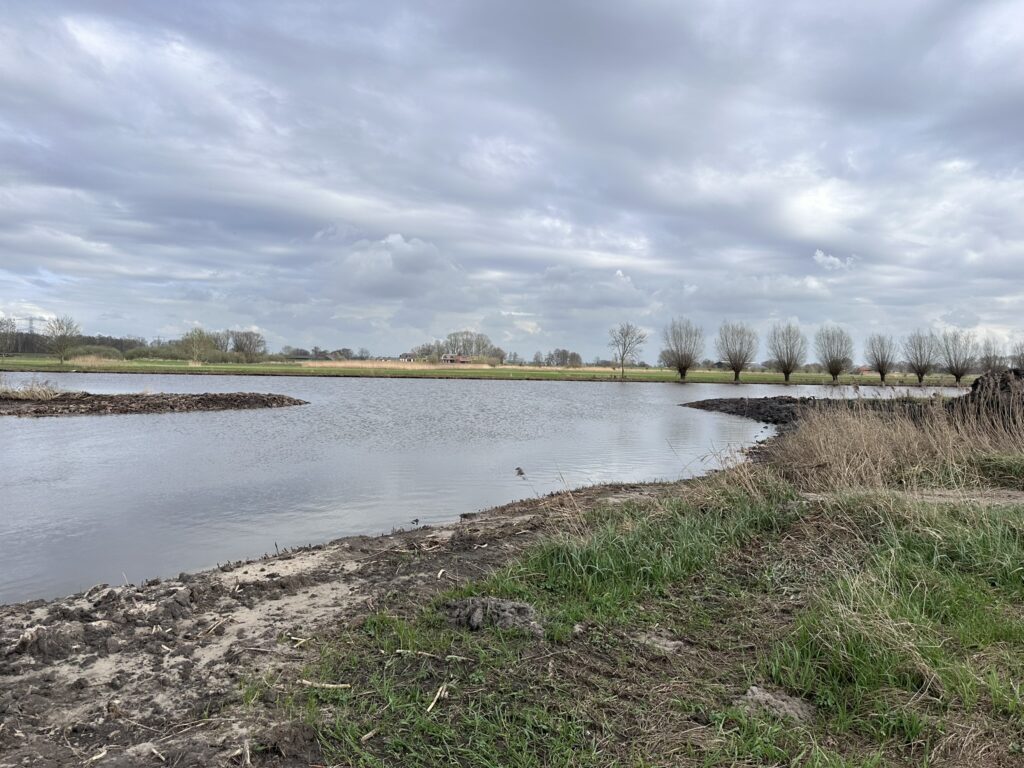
{"points": [[325, 686], [442, 692]]}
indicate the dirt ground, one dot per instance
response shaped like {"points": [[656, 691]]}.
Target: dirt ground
{"points": [[155, 674], [86, 404]]}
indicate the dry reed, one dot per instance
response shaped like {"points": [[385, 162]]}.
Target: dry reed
{"points": [[904, 444], [30, 390]]}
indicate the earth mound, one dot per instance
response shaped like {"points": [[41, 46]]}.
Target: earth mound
{"points": [[86, 404]]}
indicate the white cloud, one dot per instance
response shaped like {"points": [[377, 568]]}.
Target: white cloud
{"points": [[833, 263]]}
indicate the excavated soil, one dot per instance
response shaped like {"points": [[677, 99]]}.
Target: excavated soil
{"points": [[86, 404], [780, 410], [125, 675], [784, 411]]}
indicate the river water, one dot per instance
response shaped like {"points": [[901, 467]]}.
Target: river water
{"points": [[96, 499]]}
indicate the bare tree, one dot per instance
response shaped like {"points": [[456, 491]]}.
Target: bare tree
{"points": [[957, 350], [1017, 355], [684, 345], [8, 335], [880, 352], [61, 335], [788, 347], [221, 340], [991, 357], [625, 343], [921, 349], [737, 346], [249, 344], [197, 343], [835, 350]]}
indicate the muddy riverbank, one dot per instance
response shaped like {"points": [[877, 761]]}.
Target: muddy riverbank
{"points": [[126, 675], [86, 404]]}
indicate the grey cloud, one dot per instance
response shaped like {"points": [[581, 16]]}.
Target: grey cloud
{"points": [[377, 174]]}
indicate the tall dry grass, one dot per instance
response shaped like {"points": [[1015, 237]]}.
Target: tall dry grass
{"points": [[30, 390], [864, 444], [95, 360], [390, 364]]}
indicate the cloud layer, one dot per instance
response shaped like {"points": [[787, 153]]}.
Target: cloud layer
{"points": [[357, 174]]}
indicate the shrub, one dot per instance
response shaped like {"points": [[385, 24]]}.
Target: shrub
{"points": [[96, 350]]}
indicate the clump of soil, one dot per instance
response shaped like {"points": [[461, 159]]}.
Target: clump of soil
{"points": [[86, 404], [757, 700], [995, 397], [476, 613]]}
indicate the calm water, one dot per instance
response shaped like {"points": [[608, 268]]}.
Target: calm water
{"points": [[100, 499]]}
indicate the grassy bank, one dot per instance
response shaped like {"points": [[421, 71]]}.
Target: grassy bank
{"points": [[760, 616], [44, 364]]}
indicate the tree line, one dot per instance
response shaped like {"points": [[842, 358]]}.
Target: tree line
{"points": [[62, 336], [954, 351]]}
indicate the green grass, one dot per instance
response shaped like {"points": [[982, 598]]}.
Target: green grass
{"points": [[1002, 470], [42, 363], [926, 632]]}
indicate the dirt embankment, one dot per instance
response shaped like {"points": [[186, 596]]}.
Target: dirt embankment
{"points": [[993, 395], [157, 674], [86, 404], [779, 410]]}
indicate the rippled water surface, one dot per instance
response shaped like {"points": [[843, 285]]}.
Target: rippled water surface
{"points": [[106, 498]]}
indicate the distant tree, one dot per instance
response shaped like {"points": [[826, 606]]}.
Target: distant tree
{"points": [[957, 350], [991, 356], [513, 358], [563, 358], [625, 341], [880, 352], [469, 344], [788, 347], [249, 344], [737, 346], [363, 354], [684, 344], [61, 335], [8, 335], [221, 340], [197, 344], [921, 350], [538, 358], [834, 348], [1017, 355]]}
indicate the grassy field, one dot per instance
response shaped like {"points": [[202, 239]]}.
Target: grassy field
{"points": [[863, 614], [44, 364]]}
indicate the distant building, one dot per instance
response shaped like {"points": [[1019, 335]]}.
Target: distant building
{"points": [[449, 359], [407, 357]]}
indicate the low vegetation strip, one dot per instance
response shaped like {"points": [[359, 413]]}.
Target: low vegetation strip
{"points": [[393, 369], [35, 402]]}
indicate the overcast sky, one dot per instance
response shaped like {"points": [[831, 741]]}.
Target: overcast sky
{"points": [[377, 174]]}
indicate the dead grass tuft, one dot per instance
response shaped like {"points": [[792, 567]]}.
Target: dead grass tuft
{"points": [[30, 390], [856, 446]]}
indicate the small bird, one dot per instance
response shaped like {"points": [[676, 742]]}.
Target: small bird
{"points": [[520, 472], [414, 521]]}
